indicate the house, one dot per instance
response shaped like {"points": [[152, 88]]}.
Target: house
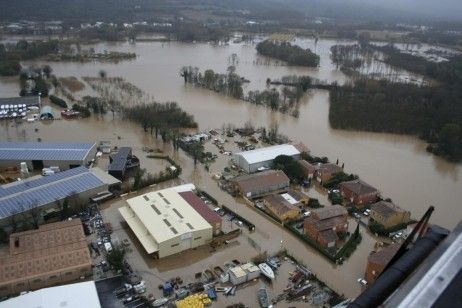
{"points": [[358, 192], [326, 171], [320, 172], [53, 254], [308, 168], [260, 184], [324, 224], [377, 261], [388, 214], [258, 159], [280, 207]]}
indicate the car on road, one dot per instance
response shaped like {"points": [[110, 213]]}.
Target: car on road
{"points": [[366, 213], [306, 214], [356, 215], [239, 223]]}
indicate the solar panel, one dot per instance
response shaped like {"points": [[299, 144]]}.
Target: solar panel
{"points": [[44, 150], [54, 188], [119, 160]]}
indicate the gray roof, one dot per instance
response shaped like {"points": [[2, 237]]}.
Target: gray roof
{"points": [[59, 151], [38, 191], [119, 160], [26, 100]]}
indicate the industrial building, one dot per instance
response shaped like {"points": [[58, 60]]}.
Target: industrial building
{"points": [[20, 100], [37, 155], [165, 223], [262, 159], [55, 253], [121, 162], [46, 192], [69, 296], [260, 184], [199, 206]]}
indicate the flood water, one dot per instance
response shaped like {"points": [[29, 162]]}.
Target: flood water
{"points": [[397, 165]]}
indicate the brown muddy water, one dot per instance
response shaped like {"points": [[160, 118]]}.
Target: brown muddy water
{"points": [[398, 165]]}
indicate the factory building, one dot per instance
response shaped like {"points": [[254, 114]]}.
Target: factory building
{"points": [[262, 159], [47, 192], [165, 223], [37, 155], [53, 254]]}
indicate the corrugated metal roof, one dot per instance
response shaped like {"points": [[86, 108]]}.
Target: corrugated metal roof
{"points": [[268, 153], [151, 209], [21, 196], [59, 151], [26, 100]]}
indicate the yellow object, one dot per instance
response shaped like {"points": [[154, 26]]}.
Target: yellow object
{"points": [[194, 301]]}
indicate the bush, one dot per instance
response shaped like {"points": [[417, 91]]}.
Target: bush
{"points": [[58, 101], [84, 111], [314, 203]]}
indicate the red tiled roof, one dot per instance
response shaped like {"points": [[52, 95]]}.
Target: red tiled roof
{"points": [[199, 206]]}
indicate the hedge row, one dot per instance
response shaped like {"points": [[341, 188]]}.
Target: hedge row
{"points": [[58, 101]]}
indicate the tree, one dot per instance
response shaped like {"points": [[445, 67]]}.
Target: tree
{"points": [[450, 136], [65, 211], [116, 256]]}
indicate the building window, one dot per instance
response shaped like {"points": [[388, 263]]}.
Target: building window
{"points": [[36, 280], [197, 238], [146, 198], [190, 226], [173, 230], [21, 284], [53, 277], [174, 245], [68, 273]]}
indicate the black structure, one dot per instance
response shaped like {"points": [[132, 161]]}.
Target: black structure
{"points": [[121, 162], [428, 274]]}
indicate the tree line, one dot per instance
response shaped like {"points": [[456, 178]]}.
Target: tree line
{"points": [[292, 54]]}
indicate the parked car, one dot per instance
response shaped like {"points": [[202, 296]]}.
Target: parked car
{"points": [[366, 213], [306, 214], [239, 223], [362, 281]]}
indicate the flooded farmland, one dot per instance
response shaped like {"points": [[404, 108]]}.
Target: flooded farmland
{"points": [[398, 165]]}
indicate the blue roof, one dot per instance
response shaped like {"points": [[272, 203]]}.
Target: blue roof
{"points": [[21, 196], [59, 151]]}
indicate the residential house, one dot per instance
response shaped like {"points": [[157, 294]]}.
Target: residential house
{"points": [[325, 172], [388, 214], [325, 223], [358, 192], [377, 261], [280, 207], [308, 169], [260, 184]]}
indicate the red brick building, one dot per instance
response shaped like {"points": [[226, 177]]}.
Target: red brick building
{"points": [[358, 192], [325, 223], [377, 261]]}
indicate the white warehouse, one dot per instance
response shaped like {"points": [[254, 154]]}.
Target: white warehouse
{"points": [[252, 161], [165, 223]]}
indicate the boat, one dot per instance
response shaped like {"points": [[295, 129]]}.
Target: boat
{"points": [[160, 302], [262, 296], [266, 270], [273, 263]]}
